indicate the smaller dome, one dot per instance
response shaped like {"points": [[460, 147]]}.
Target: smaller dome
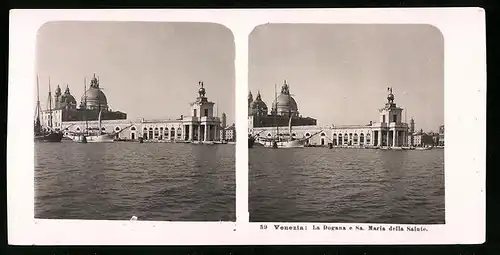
{"points": [[68, 99], [260, 105]]}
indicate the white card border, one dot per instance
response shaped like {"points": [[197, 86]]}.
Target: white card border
{"points": [[463, 30]]}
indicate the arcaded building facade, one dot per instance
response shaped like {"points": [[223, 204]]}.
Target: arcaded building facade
{"points": [[389, 130], [199, 125]]}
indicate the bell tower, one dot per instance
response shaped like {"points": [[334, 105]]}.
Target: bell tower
{"points": [[57, 97]]}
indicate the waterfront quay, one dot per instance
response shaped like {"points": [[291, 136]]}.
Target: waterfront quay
{"points": [[390, 131], [201, 125]]}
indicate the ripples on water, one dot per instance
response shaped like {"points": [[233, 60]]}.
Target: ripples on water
{"points": [[153, 181], [346, 185]]}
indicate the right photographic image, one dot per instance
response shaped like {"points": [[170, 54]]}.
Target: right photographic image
{"points": [[346, 123]]}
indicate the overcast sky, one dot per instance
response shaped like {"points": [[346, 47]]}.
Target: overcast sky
{"points": [[148, 70], [339, 74]]}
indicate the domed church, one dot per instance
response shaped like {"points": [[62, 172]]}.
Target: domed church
{"points": [[284, 104], [201, 125], [257, 107], [283, 107], [92, 102], [66, 100], [94, 98], [390, 131]]}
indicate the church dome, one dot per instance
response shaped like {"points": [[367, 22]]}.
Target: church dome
{"points": [[258, 106], [67, 98], [94, 97], [285, 103]]}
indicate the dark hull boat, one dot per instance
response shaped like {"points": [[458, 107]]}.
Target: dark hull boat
{"points": [[49, 137], [251, 142], [45, 134]]}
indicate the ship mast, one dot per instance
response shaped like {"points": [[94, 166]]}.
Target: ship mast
{"points": [[98, 107], [289, 100], [289, 111], [276, 111], [50, 106], [85, 104], [37, 112]]}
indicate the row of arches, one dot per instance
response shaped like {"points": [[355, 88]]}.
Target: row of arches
{"points": [[351, 139], [162, 133], [338, 139], [116, 129], [294, 135]]}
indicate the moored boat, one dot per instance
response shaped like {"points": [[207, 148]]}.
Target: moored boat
{"points": [[251, 141], [98, 136], [47, 134], [49, 137], [423, 148]]}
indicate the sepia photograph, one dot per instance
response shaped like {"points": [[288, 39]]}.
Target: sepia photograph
{"points": [[346, 123], [355, 120], [135, 120]]}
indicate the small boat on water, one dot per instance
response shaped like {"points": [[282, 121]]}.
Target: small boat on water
{"points": [[423, 148], [251, 141], [270, 143], [408, 148], [50, 136], [93, 135], [282, 140]]}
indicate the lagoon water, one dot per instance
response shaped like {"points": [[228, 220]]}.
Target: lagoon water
{"points": [[346, 185], [153, 181]]}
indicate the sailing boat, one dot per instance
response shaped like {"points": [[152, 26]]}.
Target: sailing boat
{"points": [[98, 136], [82, 138], [41, 134], [283, 140], [287, 140]]}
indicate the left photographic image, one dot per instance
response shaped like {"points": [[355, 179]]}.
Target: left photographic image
{"points": [[135, 120]]}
